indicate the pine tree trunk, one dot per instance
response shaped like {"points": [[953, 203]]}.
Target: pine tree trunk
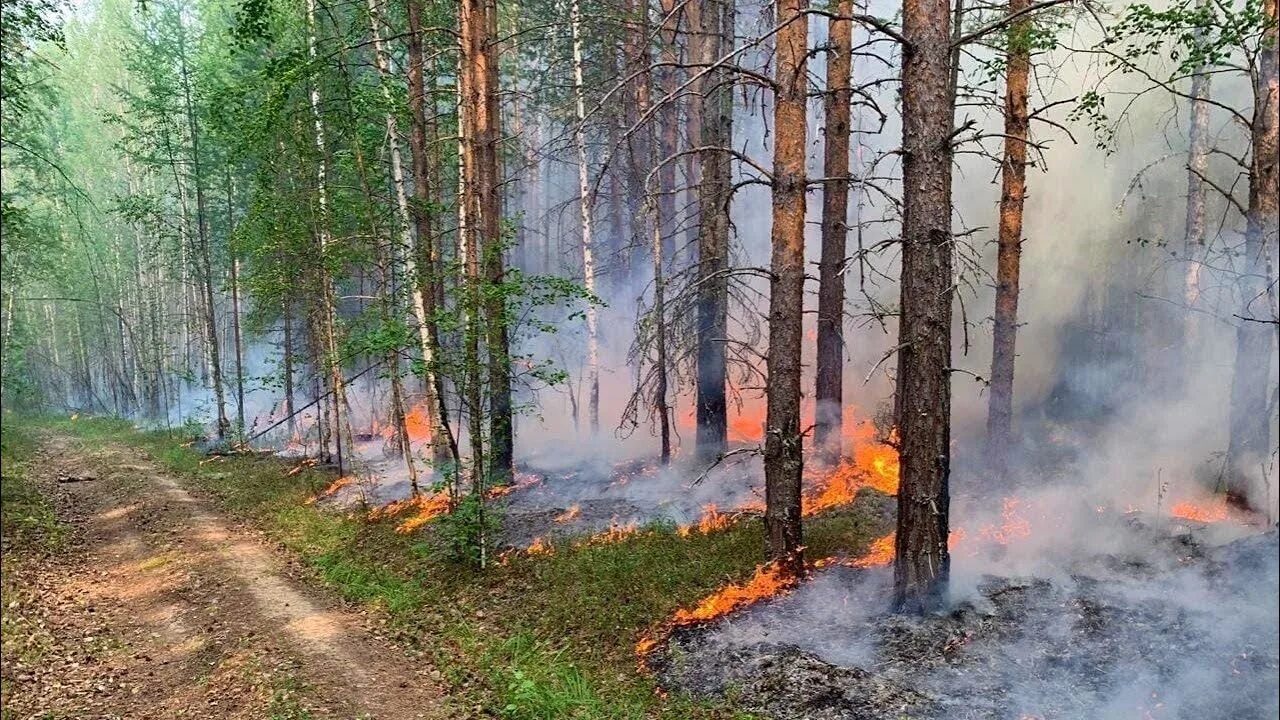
{"points": [[1013, 173], [783, 454], [711, 42], [668, 119], [586, 204], [829, 374], [1250, 443], [921, 560], [488, 189]]}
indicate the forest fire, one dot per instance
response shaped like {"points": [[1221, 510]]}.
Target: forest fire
{"points": [[425, 508], [570, 513], [1212, 511], [332, 489], [880, 553], [711, 521], [768, 581]]}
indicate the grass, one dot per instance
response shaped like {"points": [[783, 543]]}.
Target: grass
{"points": [[27, 519], [546, 637]]}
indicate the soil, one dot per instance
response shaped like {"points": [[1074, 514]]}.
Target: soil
{"points": [[161, 607]]}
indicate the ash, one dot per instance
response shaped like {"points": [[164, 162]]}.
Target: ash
{"points": [[601, 494], [1180, 628]]}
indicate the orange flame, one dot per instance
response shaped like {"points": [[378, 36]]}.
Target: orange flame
{"points": [[539, 547], [418, 424], [572, 512], [330, 491], [711, 521], [617, 532], [1013, 526], [1215, 511], [879, 554], [769, 580]]}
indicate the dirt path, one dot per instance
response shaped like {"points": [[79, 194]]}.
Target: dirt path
{"points": [[162, 608]]}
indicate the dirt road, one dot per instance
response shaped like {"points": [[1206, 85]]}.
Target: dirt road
{"points": [[162, 608]]}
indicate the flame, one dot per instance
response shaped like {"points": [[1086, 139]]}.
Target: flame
{"points": [[522, 480], [617, 532], [711, 521], [425, 508], [1013, 526], [879, 554], [539, 547], [572, 512], [333, 488], [418, 424], [1214, 511], [769, 580]]}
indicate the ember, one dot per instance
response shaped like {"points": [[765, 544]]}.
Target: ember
{"points": [[569, 514], [1214, 511]]}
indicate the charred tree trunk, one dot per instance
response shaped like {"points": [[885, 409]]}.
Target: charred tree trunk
{"points": [[1013, 173], [921, 560], [783, 456], [829, 390], [1250, 443], [714, 196]]}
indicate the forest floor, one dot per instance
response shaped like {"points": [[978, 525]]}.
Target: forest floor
{"points": [[153, 604], [273, 606]]}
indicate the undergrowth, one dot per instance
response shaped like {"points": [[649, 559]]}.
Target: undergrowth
{"points": [[545, 637]]}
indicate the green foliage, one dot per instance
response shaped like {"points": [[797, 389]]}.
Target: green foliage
{"points": [[547, 636], [469, 530]]}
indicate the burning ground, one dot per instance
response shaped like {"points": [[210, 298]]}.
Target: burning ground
{"points": [[586, 493], [1147, 617]]}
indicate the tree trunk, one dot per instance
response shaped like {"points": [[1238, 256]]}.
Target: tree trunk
{"points": [[289, 410], [202, 233], [1250, 443], [829, 375], [329, 360], [489, 189], [235, 309], [783, 453], [660, 404], [586, 204], [921, 560], [1013, 173], [1197, 191], [668, 119], [711, 42]]}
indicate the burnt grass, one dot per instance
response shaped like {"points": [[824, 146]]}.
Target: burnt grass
{"points": [[1123, 642]]}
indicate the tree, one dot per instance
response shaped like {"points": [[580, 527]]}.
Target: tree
{"points": [[921, 560], [1250, 423], [829, 374], [783, 452], [1013, 190], [586, 204], [710, 43]]}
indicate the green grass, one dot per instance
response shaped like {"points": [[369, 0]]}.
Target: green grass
{"points": [[544, 637], [27, 519]]}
